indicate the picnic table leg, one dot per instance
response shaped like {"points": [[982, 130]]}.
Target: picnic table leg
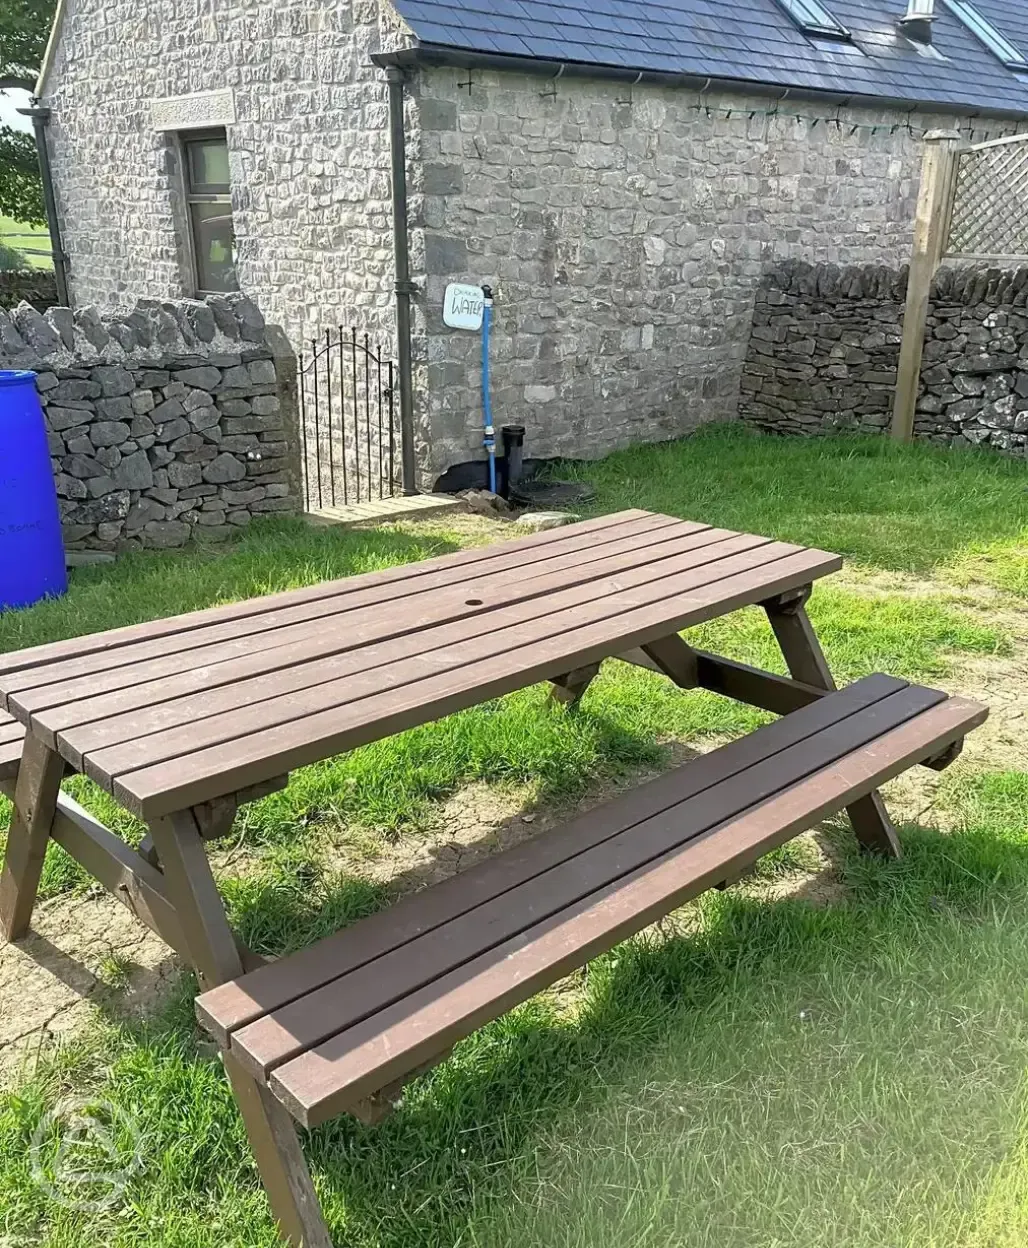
{"points": [[570, 688], [806, 662], [35, 804], [216, 957]]}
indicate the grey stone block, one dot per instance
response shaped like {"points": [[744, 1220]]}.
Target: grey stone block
{"points": [[202, 378], [181, 474], [223, 469], [134, 472], [108, 432]]}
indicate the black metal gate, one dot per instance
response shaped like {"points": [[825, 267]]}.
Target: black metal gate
{"points": [[349, 420]]}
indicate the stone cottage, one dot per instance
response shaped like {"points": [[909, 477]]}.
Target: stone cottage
{"points": [[621, 175]]}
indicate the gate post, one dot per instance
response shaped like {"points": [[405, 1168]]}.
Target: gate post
{"points": [[931, 229]]}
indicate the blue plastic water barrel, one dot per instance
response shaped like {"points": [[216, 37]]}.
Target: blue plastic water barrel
{"points": [[31, 550]]}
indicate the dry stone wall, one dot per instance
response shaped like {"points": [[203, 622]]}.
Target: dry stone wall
{"points": [[825, 344], [164, 422], [35, 286]]}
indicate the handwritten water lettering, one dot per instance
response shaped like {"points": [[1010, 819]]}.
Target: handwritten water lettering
{"points": [[464, 307]]}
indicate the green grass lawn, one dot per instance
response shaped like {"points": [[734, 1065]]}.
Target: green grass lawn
{"points": [[765, 1072], [25, 238]]}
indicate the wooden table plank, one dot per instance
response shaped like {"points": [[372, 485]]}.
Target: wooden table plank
{"points": [[211, 773], [304, 667], [650, 583], [508, 553], [328, 1011], [40, 687], [277, 984], [326, 1081], [58, 706]]}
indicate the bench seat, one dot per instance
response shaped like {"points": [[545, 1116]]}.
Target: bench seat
{"points": [[329, 1027], [12, 735]]}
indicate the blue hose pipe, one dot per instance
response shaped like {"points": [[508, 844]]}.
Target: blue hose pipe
{"points": [[487, 403], [31, 547]]}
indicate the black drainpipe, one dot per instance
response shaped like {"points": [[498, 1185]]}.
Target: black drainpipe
{"points": [[405, 288], [39, 118]]}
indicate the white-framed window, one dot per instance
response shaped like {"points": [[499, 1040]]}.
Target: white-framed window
{"points": [[208, 202]]}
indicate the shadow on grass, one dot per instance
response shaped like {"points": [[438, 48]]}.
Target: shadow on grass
{"points": [[270, 556], [466, 1136], [464, 1130]]}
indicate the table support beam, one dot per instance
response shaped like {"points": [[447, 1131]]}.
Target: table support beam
{"points": [[807, 663], [740, 682]]}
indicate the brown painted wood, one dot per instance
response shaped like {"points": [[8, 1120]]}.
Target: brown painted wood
{"points": [[214, 953], [12, 737], [278, 1037], [807, 662], [172, 729], [675, 659], [227, 767], [743, 683], [570, 688], [10, 758], [369, 643], [55, 705], [35, 802], [44, 685], [512, 553], [125, 875], [322, 1082], [232, 1006]]}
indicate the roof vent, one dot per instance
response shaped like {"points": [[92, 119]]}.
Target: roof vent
{"points": [[917, 24]]}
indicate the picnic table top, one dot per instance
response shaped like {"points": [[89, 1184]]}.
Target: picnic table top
{"points": [[175, 712]]}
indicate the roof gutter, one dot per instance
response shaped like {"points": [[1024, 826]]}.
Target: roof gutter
{"points": [[429, 55]]}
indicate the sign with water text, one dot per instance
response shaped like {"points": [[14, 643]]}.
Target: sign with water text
{"points": [[464, 307]]}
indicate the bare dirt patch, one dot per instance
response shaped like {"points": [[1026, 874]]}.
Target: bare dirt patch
{"points": [[84, 954]]}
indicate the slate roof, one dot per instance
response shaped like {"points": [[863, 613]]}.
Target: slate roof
{"points": [[749, 41]]}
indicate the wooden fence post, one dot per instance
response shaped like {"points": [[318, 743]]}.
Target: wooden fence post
{"points": [[930, 232]]}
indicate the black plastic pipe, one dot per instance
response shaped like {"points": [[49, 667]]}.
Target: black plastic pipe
{"points": [[513, 456]]}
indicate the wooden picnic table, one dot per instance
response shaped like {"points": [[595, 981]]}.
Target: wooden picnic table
{"points": [[183, 720]]}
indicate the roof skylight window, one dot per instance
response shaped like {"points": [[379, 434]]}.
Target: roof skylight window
{"points": [[984, 30], [814, 19]]}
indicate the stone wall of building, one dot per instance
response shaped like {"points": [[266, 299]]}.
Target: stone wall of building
{"points": [[625, 233], [825, 345], [165, 422], [306, 118], [35, 286]]}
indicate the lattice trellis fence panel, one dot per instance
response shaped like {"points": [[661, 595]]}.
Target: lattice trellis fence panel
{"points": [[990, 203]]}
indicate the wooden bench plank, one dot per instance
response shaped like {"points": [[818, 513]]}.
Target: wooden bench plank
{"points": [[205, 774], [154, 733], [304, 655], [323, 1082], [344, 621], [303, 606], [278, 1037], [233, 1005]]}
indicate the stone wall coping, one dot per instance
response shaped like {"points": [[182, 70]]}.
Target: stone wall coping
{"points": [[149, 331], [958, 284]]}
